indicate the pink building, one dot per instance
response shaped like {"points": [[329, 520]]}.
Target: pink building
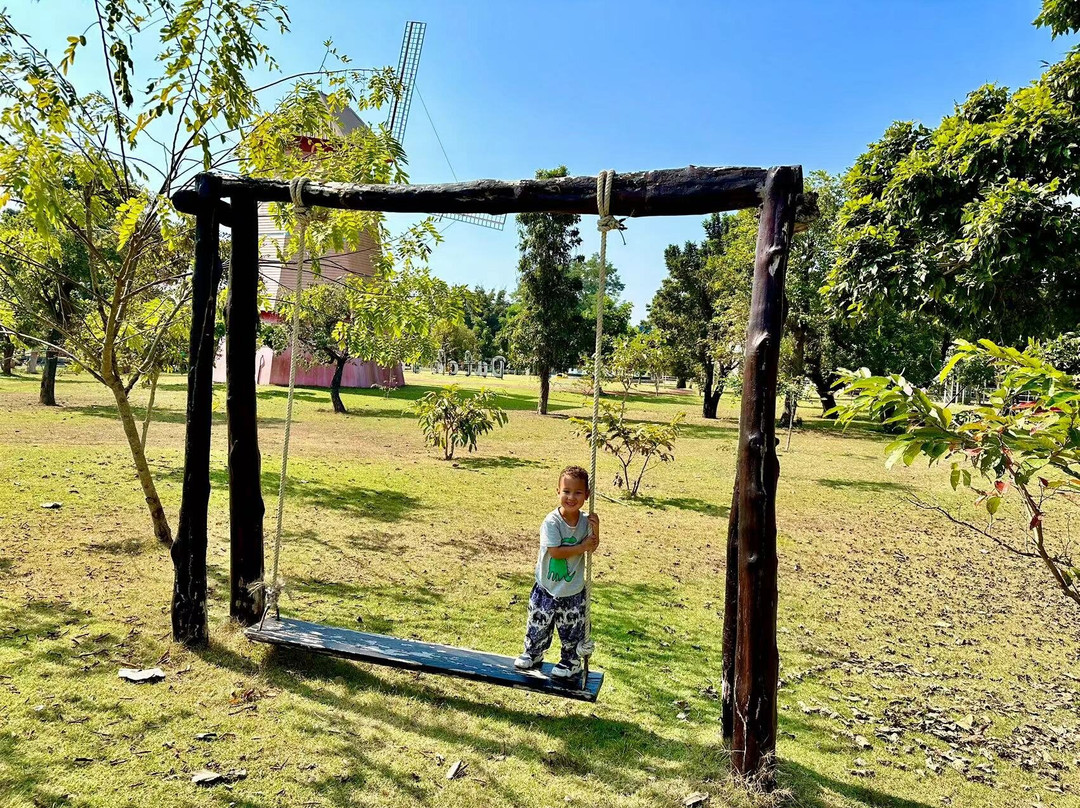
{"points": [[271, 368]]}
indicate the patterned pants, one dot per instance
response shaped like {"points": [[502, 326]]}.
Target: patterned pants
{"points": [[546, 613]]}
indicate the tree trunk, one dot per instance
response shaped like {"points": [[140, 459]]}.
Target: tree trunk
{"points": [[47, 394], [131, 430], [680, 382], [791, 419], [149, 407], [545, 388], [824, 391], [757, 662], [711, 399], [335, 384], [8, 355], [731, 615]]}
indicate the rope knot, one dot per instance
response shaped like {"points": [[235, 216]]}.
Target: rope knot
{"points": [[605, 180], [296, 194]]}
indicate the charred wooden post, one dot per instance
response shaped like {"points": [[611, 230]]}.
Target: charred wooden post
{"points": [[189, 550], [667, 192], [731, 616], [756, 657], [245, 465]]}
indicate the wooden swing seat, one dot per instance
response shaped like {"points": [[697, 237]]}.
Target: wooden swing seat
{"points": [[446, 660]]}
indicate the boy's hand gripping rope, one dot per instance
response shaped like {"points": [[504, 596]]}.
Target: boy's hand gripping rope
{"points": [[604, 182]]}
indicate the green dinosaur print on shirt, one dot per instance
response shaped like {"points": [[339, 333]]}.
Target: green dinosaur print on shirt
{"points": [[557, 570]]}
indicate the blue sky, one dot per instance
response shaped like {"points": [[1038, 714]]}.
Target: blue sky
{"points": [[512, 87]]}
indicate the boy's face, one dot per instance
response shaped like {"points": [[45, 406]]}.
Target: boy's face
{"points": [[572, 494]]}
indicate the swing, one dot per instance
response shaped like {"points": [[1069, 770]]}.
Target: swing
{"points": [[446, 660]]}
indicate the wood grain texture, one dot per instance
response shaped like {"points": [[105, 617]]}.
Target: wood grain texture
{"points": [[446, 660], [753, 749], [693, 190], [246, 506], [189, 621]]}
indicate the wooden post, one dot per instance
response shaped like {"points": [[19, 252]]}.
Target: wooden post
{"points": [[731, 616], [245, 465], [756, 658], [189, 550]]}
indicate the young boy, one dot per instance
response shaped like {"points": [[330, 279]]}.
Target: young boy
{"points": [[558, 596]]}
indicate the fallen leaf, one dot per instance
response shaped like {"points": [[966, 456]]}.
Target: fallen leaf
{"points": [[457, 770], [141, 676], [698, 798]]}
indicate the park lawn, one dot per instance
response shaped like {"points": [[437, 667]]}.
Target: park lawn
{"points": [[920, 667]]}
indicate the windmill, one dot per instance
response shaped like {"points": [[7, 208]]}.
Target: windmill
{"points": [[408, 65]]}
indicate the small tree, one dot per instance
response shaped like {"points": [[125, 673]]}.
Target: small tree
{"points": [[1024, 443], [626, 363], [631, 443], [450, 418]]}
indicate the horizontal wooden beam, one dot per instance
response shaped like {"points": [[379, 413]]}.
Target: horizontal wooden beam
{"points": [[694, 190], [187, 200]]}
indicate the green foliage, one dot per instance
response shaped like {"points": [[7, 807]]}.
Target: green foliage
{"points": [[702, 305], [546, 329], [631, 443], [617, 312], [972, 221], [1063, 352], [1026, 440], [450, 418]]}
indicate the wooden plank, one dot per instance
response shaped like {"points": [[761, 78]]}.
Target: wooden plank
{"points": [[693, 190], [245, 464], [447, 660], [189, 550], [753, 748]]}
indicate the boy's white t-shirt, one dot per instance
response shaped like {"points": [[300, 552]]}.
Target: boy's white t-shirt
{"points": [[561, 577]]}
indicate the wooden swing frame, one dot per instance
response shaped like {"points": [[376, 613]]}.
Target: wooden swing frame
{"points": [[751, 657]]}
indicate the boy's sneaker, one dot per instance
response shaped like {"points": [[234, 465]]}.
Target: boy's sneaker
{"points": [[527, 663], [567, 670]]}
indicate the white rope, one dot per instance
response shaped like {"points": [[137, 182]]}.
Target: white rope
{"points": [[604, 182], [303, 216]]}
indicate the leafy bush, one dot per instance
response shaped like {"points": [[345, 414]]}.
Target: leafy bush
{"points": [[450, 418], [1025, 443], [631, 442]]}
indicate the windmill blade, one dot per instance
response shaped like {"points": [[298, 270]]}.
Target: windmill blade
{"points": [[408, 65], [492, 220]]}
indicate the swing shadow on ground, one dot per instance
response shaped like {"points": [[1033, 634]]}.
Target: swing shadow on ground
{"points": [[624, 755]]}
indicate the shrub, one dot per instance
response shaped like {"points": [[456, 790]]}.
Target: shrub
{"points": [[1023, 445], [450, 418], [631, 443]]}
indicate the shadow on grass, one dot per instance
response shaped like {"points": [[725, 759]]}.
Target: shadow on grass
{"points": [[359, 501], [682, 503], [639, 656], [859, 429], [161, 415], [500, 462], [410, 393], [865, 485], [718, 429]]}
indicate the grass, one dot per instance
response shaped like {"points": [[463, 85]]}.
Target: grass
{"points": [[911, 654]]}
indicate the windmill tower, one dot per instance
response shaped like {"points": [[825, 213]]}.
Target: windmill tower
{"points": [[408, 66]]}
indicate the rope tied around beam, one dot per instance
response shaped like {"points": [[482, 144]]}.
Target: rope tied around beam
{"points": [[605, 180], [303, 215]]}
